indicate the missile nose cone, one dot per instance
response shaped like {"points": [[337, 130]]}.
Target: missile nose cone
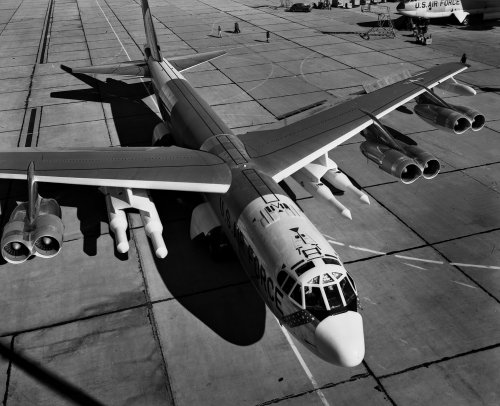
{"points": [[340, 339], [347, 213], [364, 198], [122, 247], [161, 252]]}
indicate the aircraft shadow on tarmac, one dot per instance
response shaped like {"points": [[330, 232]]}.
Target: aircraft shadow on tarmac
{"points": [[218, 294], [47, 378], [134, 123]]}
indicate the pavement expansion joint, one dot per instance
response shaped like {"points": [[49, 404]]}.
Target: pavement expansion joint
{"points": [[439, 361], [74, 320]]}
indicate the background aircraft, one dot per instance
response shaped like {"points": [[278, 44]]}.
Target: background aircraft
{"points": [[294, 268], [461, 9]]}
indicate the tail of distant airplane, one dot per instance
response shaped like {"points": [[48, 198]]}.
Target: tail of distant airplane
{"points": [[152, 48]]}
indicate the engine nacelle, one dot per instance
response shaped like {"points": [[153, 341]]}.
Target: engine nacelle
{"points": [[477, 120], [443, 118], [428, 163], [15, 248], [392, 161], [48, 229], [43, 237]]}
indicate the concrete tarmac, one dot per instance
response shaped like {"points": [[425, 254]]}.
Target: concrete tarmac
{"points": [[132, 329]]}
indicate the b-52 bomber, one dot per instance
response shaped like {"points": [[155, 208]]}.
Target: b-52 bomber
{"points": [[295, 270]]}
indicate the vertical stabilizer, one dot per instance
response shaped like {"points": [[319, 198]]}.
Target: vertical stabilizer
{"points": [[151, 40]]}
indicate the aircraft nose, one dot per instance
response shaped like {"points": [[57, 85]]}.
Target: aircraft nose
{"points": [[340, 339]]}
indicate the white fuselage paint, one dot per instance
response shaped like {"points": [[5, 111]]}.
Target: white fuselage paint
{"points": [[490, 9], [265, 227]]}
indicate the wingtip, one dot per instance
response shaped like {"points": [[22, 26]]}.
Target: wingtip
{"points": [[66, 68]]}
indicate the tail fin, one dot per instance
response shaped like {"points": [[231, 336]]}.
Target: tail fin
{"points": [[152, 43]]}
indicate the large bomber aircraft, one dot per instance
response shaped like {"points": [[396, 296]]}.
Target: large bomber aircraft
{"points": [[296, 271], [463, 10]]}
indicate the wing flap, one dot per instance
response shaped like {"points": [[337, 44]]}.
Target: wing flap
{"points": [[281, 152], [162, 168]]}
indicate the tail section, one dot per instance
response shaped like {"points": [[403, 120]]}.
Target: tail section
{"points": [[152, 48]]}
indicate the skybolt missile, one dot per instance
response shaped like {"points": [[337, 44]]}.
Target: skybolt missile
{"points": [[309, 177], [339, 180], [120, 199]]}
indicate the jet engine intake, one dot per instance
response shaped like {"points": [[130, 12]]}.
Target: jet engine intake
{"points": [[443, 117], [48, 229], [15, 249], [428, 163], [392, 161], [477, 120], [42, 237]]}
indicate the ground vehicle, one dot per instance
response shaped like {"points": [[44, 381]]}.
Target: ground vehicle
{"points": [[304, 7]]}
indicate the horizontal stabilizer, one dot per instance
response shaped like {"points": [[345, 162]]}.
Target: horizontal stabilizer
{"points": [[188, 61], [130, 68], [163, 168]]}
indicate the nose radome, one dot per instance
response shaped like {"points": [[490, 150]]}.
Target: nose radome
{"points": [[340, 339]]}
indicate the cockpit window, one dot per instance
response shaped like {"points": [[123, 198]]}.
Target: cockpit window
{"points": [[347, 289], [333, 261], [314, 298], [333, 296], [297, 294], [287, 287], [304, 268], [314, 281], [281, 278], [326, 278], [352, 281], [329, 293]]}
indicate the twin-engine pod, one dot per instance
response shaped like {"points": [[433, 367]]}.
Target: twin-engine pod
{"points": [[392, 161], [427, 162], [41, 236], [438, 113], [406, 162]]}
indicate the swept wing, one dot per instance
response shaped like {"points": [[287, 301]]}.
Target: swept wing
{"points": [[283, 151], [171, 168]]}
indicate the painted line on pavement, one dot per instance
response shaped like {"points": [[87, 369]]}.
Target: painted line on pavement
{"points": [[304, 365]]}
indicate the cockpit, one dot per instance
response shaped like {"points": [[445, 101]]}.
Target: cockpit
{"points": [[321, 286]]}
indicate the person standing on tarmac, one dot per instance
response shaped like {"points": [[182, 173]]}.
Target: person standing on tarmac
{"points": [[268, 34], [219, 32]]}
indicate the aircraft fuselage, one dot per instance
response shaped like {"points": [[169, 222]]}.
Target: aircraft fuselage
{"points": [[489, 9], [294, 268]]}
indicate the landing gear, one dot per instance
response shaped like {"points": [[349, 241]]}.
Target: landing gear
{"points": [[218, 245]]}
